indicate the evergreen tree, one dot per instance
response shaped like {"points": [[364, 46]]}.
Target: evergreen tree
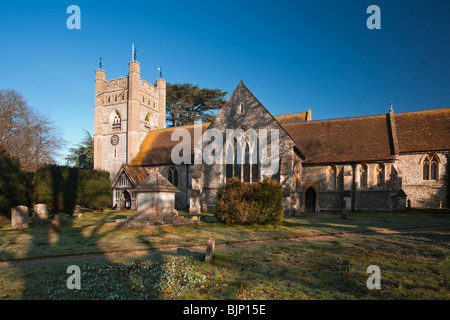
{"points": [[82, 156], [187, 103]]}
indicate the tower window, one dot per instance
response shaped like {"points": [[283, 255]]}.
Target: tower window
{"points": [[149, 122], [115, 98], [116, 121], [430, 167]]}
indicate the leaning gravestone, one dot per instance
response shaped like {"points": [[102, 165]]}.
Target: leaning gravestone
{"points": [[19, 217], [210, 250], [40, 213]]}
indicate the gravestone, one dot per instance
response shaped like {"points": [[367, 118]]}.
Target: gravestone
{"points": [[40, 213], [19, 217], [210, 250], [60, 219]]}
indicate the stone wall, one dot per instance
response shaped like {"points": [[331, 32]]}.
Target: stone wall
{"points": [[424, 193]]}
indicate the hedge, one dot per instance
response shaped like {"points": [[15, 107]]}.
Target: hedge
{"points": [[250, 203], [62, 187], [14, 184]]}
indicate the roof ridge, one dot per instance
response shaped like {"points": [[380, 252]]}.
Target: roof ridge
{"points": [[342, 119], [422, 111]]}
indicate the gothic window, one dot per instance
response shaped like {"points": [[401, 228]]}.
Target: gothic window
{"points": [[363, 176], [149, 122], [332, 174], [430, 167], [173, 176], [109, 99], [123, 180], [116, 121], [379, 171], [115, 98], [242, 158]]}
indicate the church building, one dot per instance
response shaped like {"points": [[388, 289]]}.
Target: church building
{"points": [[380, 162]]}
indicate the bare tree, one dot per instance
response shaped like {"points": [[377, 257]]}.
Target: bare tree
{"points": [[27, 135]]}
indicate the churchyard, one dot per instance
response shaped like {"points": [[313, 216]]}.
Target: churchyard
{"points": [[306, 257]]}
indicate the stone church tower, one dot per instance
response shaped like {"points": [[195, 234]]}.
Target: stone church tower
{"points": [[126, 109]]}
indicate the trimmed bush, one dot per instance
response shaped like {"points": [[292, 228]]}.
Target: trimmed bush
{"points": [[62, 187], [250, 203], [95, 189]]}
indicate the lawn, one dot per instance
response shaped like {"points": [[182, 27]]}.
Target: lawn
{"points": [[414, 263], [93, 233]]}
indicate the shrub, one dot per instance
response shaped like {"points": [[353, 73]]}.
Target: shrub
{"points": [[250, 203]]}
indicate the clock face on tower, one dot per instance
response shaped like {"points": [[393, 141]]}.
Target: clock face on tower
{"points": [[114, 139]]}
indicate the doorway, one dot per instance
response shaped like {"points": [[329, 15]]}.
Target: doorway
{"points": [[310, 200], [126, 200]]}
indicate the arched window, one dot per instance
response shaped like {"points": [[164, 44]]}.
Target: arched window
{"points": [[379, 174], [332, 174], [430, 167], [115, 98], [172, 176], [109, 99], [242, 157], [116, 121], [123, 96], [149, 122], [363, 176]]}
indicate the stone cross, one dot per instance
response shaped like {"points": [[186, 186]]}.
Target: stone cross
{"points": [[209, 250], [19, 217]]}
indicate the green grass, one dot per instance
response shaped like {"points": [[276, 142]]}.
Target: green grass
{"points": [[414, 265]]}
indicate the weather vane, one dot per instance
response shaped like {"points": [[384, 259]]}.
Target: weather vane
{"points": [[160, 72], [100, 63]]}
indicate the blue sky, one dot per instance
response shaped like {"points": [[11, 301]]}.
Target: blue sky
{"points": [[293, 55]]}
